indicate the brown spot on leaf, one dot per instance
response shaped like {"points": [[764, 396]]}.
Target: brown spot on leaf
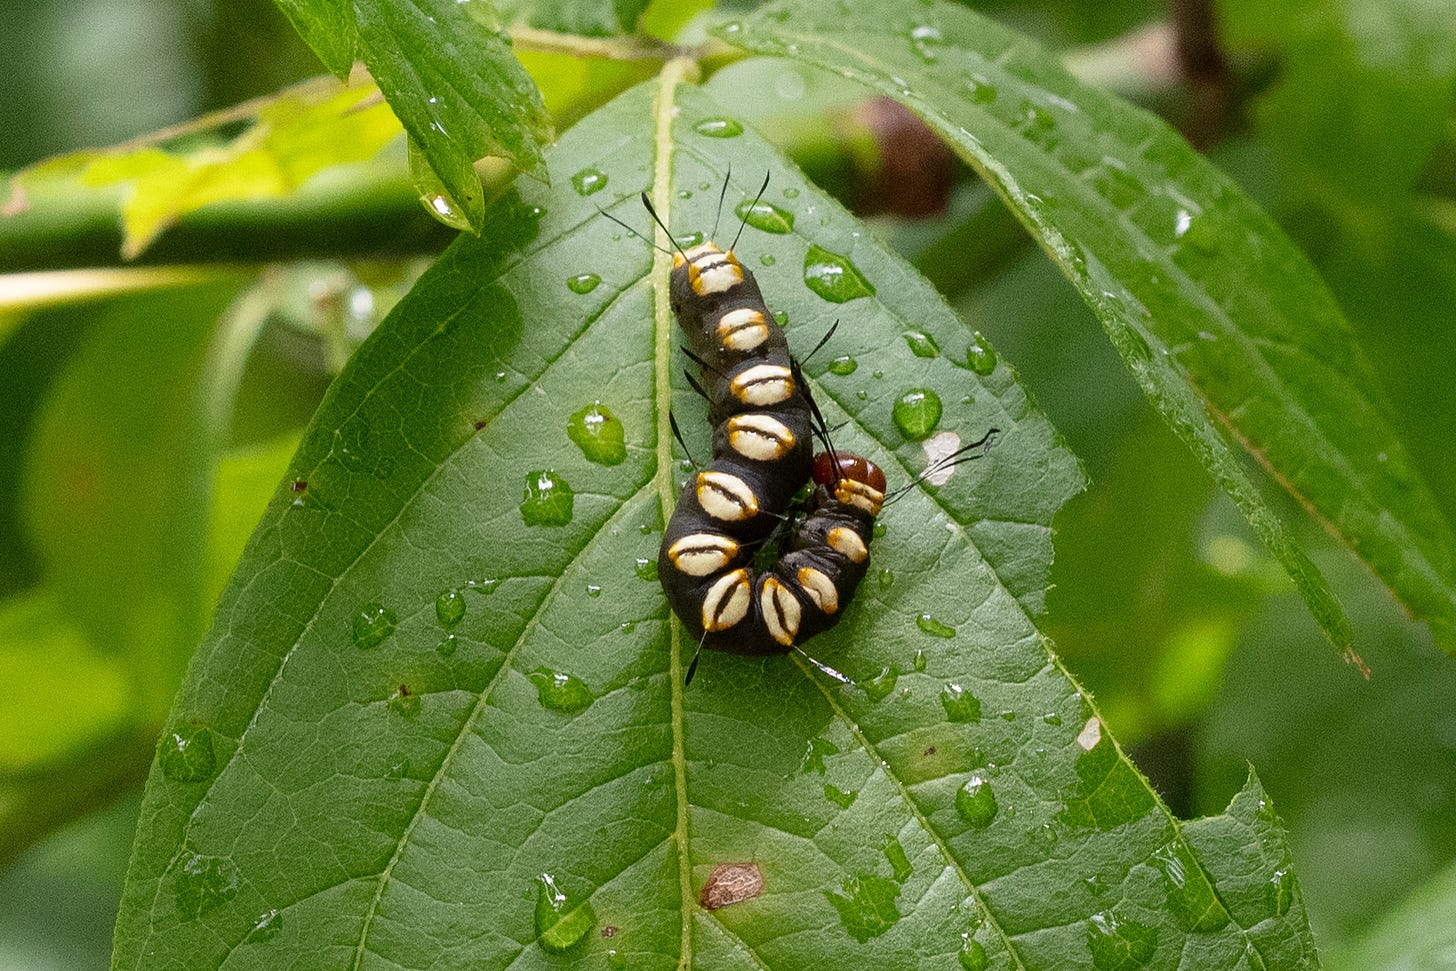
{"points": [[609, 931], [731, 883], [299, 485], [930, 751]]}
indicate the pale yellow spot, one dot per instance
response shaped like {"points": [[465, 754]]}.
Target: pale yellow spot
{"points": [[759, 437], [781, 611], [860, 496], [702, 553], [742, 329], [846, 542], [727, 601], [726, 497], [716, 278], [820, 589], [763, 385]]}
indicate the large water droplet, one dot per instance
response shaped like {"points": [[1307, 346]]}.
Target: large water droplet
{"points": [[598, 433], [1190, 897], [561, 924], [980, 356], [878, 688], [548, 500], [843, 798], [204, 883], [719, 127], [921, 344], [975, 802], [935, 628], [186, 753], [560, 691], [450, 607], [583, 282], [959, 704], [1118, 944], [899, 862], [917, 413], [834, 277], [646, 569], [844, 365], [371, 625], [448, 645], [765, 216], [434, 196], [588, 181], [919, 660], [867, 905], [973, 956]]}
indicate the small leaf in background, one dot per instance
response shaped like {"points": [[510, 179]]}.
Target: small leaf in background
{"points": [[588, 18], [1219, 317], [291, 137], [551, 791], [447, 70]]}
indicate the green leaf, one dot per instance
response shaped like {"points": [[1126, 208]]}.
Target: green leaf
{"points": [[328, 27], [447, 70], [590, 18], [1219, 317], [1420, 933], [446, 737]]}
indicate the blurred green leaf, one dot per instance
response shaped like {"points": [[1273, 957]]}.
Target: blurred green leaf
{"points": [[328, 27], [590, 18], [290, 138], [447, 70], [1419, 934], [1219, 317], [396, 780]]}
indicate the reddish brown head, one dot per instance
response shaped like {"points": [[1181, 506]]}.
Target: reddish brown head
{"points": [[855, 468]]}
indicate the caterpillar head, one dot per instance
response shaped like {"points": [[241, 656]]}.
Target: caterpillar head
{"points": [[851, 479]]}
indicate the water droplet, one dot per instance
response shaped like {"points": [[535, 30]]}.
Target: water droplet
{"points": [[719, 128], [1052, 718], [646, 569], [843, 798], [450, 607], [599, 435], [561, 924], [548, 500], [204, 883], [1118, 944], [560, 691], [879, 687], [1190, 897], [975, 802], [447, 645], [592, 590], [919, 660], [886, 578], [877, 375], [1280, 890], [834, 277], [583, 282], [917, 413], [922, 345], [684, 193], [813, 760], [867, 905], [879, 530], [979, 89], [767, 259], [791, 193], [899, 862], [268, 926], [959, 704], [781, 317], [765, 216], [588, 181], [935, 628], [844, 365], [405, 702], [372, 624], [862, 395], [973, 955], [186, 753], [1007, 715], [689, 240], [926, 41], [980, 356]]}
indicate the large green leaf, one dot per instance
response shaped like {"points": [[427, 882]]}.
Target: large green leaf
{"points": [[440, 736], [1219, 317]]}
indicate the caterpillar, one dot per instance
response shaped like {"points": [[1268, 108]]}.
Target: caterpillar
{"points": [[764, 419]]}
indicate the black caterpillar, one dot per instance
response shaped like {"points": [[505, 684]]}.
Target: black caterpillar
{"points": [[764, 420]]}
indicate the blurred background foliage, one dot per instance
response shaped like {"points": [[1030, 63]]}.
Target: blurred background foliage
{"points": [[148, 415]]}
